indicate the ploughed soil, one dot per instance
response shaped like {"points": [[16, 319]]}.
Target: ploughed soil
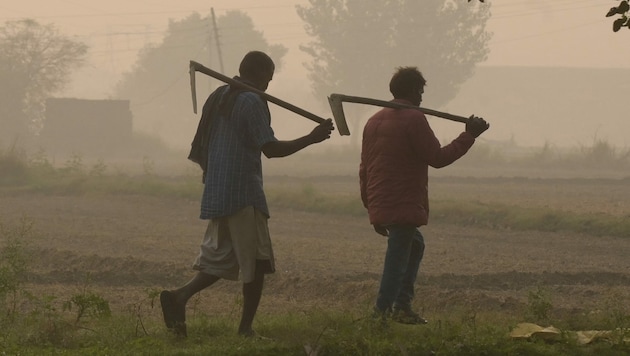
{"points": [[124, 246]]}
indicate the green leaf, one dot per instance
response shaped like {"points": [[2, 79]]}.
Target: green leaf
{"points": [[611, 12], [623, 7]]}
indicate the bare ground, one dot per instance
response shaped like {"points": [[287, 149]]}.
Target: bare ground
{"points": [[121, 246]]}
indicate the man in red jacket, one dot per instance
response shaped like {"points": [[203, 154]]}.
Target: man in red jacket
{"points": [[398, 147]]}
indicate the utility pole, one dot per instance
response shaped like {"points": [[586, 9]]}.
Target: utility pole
{"points": [[216, 39]]}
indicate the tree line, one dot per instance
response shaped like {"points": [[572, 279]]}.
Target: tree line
{"points": [[355, 46]]}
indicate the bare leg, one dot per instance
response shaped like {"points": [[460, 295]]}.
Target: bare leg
{"points": [[174, 302], [251, 297], [198, 283]]}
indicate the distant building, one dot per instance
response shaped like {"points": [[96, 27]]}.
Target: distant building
{"points": [[86, 127]]}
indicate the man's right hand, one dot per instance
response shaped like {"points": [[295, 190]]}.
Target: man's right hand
{"points": [[322, 131], [476, 126]]}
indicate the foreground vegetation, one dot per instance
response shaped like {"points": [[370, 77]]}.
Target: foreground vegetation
{"points": [[84, 323], [320, 333]]}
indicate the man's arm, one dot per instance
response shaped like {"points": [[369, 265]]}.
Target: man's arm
{"points": [[286, 148]]}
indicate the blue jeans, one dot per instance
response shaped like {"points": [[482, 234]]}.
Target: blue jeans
{"points": [[405, 249]]}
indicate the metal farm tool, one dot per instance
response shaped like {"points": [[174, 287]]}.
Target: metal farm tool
{"points": [[336, 105], [342, 127]]}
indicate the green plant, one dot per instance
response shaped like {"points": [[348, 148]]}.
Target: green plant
{"points": [[137, 310], [87, 303], [539, 305], [45, 306], [74, 164], [39, 158], [99, 168], [616, 312], [148, 166]]}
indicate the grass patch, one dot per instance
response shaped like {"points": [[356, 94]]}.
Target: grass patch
{"points": [[527, 218], [466, 213], [307, 198], [329, 332]]}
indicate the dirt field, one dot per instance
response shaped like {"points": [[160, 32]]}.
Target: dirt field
{"points": [[127, 244]]}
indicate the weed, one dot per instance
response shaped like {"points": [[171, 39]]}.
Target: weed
{"points": [[87, 303], [615, 312], [539, 305], [74, 164], [99, 168], [137, 310], [148, 166]]}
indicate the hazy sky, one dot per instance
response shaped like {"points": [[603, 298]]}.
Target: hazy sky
{"points": [[526, 32], [558, 33]]}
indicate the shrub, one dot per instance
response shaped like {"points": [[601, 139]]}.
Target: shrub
{"points": [[13, 167]]}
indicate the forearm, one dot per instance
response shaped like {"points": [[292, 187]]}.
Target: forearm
{"points": [[444, 156], [286, 148]]}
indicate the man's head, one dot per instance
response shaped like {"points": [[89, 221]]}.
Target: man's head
{"points": [[257, 67], [408, 83]]}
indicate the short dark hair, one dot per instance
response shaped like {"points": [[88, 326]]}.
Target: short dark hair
{"points": [[254, 63], [405, 80]]}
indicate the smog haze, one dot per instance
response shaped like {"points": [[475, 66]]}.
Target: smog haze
{"points": [[555, 73]]}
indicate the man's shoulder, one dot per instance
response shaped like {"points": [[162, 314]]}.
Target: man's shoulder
{"points": [[250, 97], [218, 91], [213, 98], [398, 116], [251, 101]]}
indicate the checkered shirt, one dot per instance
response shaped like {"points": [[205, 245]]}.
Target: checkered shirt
{"points": [[234, 178]]}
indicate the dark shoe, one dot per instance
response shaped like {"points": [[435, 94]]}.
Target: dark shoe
{"points": [[378, 314], [380, 318], [174, 314], [408, 316]]}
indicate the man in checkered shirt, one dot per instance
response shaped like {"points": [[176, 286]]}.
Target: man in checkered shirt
{"points": [[236, 243]]}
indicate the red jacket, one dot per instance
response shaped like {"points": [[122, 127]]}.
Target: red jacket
{"points": [[398, 146]]}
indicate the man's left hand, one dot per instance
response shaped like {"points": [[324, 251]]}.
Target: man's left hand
{"points": [[476, 125], [322, 131], [381, 230]]}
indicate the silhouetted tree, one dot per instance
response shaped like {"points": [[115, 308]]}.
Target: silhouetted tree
{"points": [[623, 10], [35, 62], [358, 44], [158, 84]]}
